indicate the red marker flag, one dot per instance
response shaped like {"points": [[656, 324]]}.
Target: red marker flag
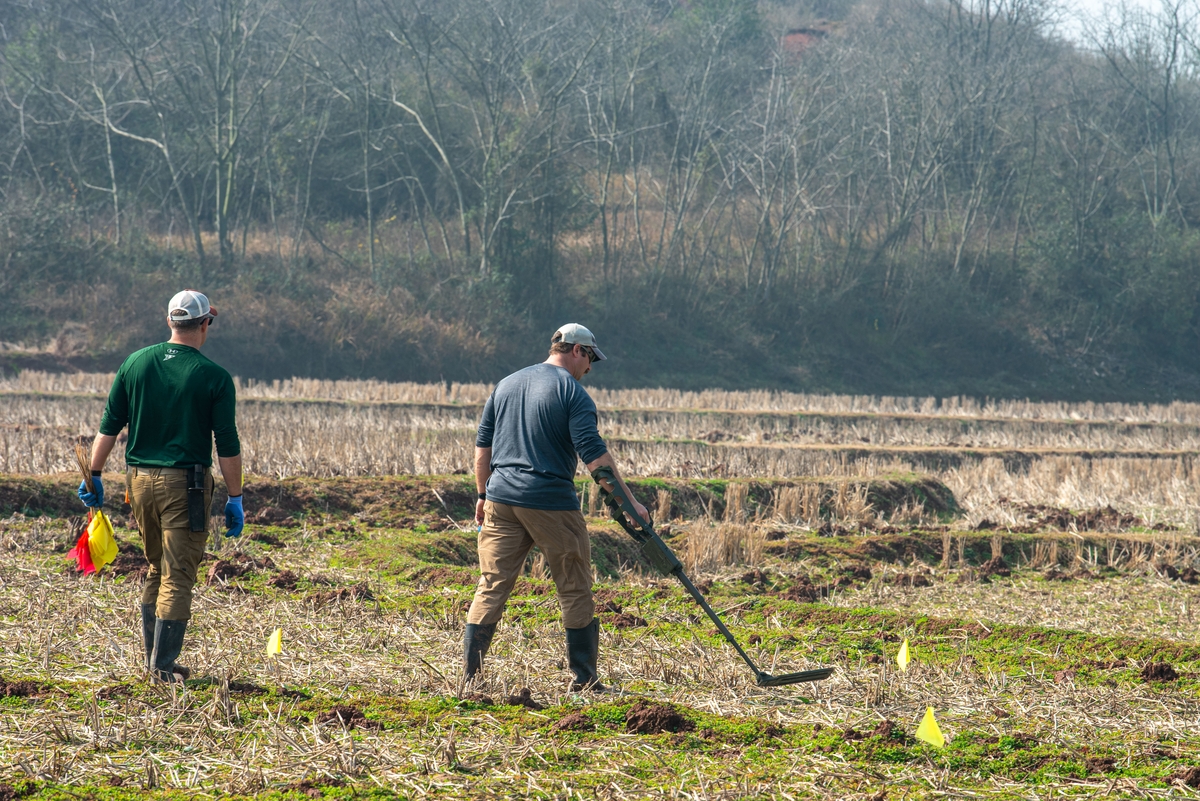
{"points": [[82, 554]]}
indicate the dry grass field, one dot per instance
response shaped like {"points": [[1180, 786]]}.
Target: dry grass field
{"points": [[1042, 561]]}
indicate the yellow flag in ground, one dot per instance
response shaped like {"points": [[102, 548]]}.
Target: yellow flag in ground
{"points": [[275, 643], [102, 546], [902, 657], [929, 731]]}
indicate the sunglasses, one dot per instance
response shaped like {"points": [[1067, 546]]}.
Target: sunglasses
{"points": [[591, 354]]}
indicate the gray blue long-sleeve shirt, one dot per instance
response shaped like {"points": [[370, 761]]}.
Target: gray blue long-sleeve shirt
{"points": [[536, 422]]}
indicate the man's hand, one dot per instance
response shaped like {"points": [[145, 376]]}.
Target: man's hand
{"points": [[479, 511], [94, 499], [235, 516]]}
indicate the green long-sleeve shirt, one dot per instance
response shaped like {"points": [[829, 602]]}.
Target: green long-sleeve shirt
{"points": [[175, 401]]}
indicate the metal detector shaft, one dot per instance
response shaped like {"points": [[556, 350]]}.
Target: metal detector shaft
{"points": [[659, 554]]}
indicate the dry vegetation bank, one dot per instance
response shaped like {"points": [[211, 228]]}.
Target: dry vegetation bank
{"points": [[657, 399], [374, 428]]}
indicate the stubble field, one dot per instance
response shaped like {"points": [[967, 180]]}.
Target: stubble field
{"points": [[1041, 560]]}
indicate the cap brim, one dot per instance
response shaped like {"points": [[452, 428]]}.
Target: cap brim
{"points": [[212, 311], [600, 357]]}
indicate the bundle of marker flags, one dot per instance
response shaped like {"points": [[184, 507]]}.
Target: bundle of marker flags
{"points": [[96, 546]]}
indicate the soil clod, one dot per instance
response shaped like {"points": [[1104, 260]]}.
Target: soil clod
{"points": [[524, 697], [886, 729], [20, 689], [479, 698], [1099, 764], [248, 687], [351, 717], [1159, 671], [996, 566], [285, 580], [650, 718], [576, 721], [1189, 776]]}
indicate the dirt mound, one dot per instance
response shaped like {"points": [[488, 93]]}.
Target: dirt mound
{"points": [[996, 566], [1159, 671], [270, 540], [649, 718], [359, 592], [1189, 776], [910, 580], [478, 698], [627, 621], [524, 697], [756, 576], [238, 564], [130, 561], [859, 573], [248, 687], [21, 689], [887, 730], [576, 721], [285, 580], [1099, 764], [803, 591], [10, 793], [350, 717], [313, 788], [1056, 518]]}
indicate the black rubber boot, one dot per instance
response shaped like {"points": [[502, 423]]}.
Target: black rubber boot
{"points": [[477, 638], [583, 649], [168, 642], [148, 632]]}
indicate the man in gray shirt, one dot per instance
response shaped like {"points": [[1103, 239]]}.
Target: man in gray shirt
{"points": [[534, 427]]}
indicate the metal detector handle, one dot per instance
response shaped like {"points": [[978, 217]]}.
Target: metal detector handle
{"points": [[712, 615], [658, 552]]}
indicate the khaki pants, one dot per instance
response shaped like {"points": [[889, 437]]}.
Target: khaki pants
{"points": [[158, 496], [508, 533]]}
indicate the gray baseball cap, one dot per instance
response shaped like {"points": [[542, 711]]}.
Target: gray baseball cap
{"points": [[576, 334], [190, 305]]}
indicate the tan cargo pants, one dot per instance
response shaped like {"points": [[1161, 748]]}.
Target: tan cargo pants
{"points": [[508, 534], [158, 496]]}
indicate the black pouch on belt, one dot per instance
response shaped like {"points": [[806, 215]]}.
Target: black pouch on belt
{"points": [[196, 511]]}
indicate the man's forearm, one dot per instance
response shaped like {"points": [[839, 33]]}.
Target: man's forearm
{"points": [[231, 471], [607, 460], [483, 468], [102, 446]]}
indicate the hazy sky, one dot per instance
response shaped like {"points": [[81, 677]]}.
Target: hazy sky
{"points": [[1097, 10]]}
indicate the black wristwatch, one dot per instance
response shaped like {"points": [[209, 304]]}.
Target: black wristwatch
{"points": [[483, 496]]}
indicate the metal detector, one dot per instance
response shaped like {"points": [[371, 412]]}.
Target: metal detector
{"points": [[664, 560]]}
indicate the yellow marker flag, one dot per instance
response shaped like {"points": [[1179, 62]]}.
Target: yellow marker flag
{"points": [[929, 731], [101, 545], [275, 644], [902, 657]]}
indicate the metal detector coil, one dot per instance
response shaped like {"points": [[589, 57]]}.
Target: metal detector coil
{"points": [[660, 555]]}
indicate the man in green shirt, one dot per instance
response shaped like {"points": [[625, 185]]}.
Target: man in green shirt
{"points": [[175, 402]]}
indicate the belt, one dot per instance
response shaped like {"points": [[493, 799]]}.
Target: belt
{"points": [[161, 471]]}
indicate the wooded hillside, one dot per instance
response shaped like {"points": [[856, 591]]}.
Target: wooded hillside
{"points": [[902, 197]]}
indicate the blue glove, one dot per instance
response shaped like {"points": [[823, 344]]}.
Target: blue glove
{"points": [[92, 499], [235, 518]]}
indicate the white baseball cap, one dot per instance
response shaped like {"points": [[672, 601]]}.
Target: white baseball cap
{"points": [[190, 305], [576, 334]]}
